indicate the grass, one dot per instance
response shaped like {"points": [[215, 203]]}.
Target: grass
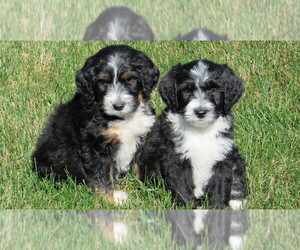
{"points": [[60, 229], [67, 20], [36, 76]]}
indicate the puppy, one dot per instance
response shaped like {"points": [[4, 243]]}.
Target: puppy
{"points": [[200, 34], [94, 137], [191, 144], [119, 23]]}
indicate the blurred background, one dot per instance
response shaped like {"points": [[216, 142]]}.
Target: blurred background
{"points": [[68, 19]]}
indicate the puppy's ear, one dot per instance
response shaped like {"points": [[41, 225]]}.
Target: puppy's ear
{"points": [[233, 88], [84, 85], [168, 88], [150, 79]]}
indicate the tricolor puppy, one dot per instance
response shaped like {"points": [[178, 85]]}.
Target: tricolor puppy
{"points": [[191, 145], [94, 137], [200, 34], [119, 23]]}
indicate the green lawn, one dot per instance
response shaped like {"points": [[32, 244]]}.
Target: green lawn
{"points": [[68, 19], [35, 76]]}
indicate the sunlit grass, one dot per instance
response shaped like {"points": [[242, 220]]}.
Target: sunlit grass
{"points": [[36, 76]]}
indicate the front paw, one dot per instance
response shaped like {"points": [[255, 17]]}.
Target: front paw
{"points": [[237, 204], [120, 197], [117, 197]]}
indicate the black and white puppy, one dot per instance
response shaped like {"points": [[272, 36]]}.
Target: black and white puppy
{"points": [[200, 34], [191, 144], [119, 23], [95, 136]]}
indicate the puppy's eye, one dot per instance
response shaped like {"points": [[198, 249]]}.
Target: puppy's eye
{"points": [[211, 85], [104, 78], [189, 88], [126, 76]]}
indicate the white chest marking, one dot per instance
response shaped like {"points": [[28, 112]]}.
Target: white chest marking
{"points": [[129, 132], [202, 146]]}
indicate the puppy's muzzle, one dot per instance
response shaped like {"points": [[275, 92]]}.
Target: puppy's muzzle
{"points": [[200, 113], [119, 105]]}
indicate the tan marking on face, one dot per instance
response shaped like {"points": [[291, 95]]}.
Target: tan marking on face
{"points": [[126, 75], [105, 76], [111, 133], [136, 170]]}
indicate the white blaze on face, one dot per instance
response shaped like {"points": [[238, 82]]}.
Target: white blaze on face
{"points": [[116, 92], [199, 72], [114, 61]]}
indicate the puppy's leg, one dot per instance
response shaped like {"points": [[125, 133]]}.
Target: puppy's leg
{"points": [[118, 197], [102, 183], [137, 170], [148, 157], [239, 188], [219, 186], [178, 178]]}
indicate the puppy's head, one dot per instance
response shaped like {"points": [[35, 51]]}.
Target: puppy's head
{"points": [[118, 78], [201, 91], [119, 23]]}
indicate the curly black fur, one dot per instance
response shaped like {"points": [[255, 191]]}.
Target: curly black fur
{"points": [[83, 136], [191, 143], [119, 23]]}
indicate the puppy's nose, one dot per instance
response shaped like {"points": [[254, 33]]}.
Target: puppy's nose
{"points": [[200, 113], [119, 106]]}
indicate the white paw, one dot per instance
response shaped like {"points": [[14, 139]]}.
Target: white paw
{"points": [[236, 242], [237, 204], [120, 197], [120, 231]]}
